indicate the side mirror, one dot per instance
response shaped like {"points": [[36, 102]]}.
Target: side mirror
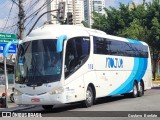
{"points": [[60, 41]]}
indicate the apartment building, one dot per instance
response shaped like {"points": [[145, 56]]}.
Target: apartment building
{"points": [[90, 6], [76, 7]]}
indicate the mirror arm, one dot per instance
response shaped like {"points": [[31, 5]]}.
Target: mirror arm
{"points": [[60, 41]]}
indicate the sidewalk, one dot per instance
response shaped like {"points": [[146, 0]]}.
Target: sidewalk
{"points": [[156, 83], [15, 107]]}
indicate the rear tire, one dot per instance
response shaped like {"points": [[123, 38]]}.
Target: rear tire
{"points": [[89, 98], [47, 107], [141, 90], [134, 94]]}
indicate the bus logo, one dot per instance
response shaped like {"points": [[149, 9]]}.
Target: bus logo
{"points": [[114, 62]]}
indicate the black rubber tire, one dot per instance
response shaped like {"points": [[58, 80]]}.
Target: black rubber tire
{"points": [[134, 94], [89, 98], [47, 107], [11, 97], [141, 90]]}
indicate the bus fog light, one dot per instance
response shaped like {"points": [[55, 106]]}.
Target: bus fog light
{"points": [[17, 93], [57, 91]]}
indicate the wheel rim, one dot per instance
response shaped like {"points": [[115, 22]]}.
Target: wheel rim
{"points": [[89, 96], [135, 90], [12, 98]]}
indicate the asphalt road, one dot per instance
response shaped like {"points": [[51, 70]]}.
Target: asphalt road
{"points": [[110, 107]]}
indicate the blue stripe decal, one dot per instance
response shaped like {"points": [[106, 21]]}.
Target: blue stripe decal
{"points": [[145, 61], [134, 41], [137, 73]]}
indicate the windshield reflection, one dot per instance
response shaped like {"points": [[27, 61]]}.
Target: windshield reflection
{"points": [[38, 62]]}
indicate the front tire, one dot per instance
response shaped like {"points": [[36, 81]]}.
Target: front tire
{"points": [[12, 97], [47, 107], [89, 98]]}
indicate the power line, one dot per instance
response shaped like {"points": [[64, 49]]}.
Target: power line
{"points": [[9, 26], [33, 18], [8, 17], [35, 12], [15, 2], [38, 10], [3, 5], [21, 14], [44, 5], [38, 20], [30, 6]]}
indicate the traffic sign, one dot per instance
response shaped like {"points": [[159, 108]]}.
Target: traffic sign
{"points": [[4, 37], [12, 48]]}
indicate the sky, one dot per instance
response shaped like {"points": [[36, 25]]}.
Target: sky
{"points": [[9, 12]]}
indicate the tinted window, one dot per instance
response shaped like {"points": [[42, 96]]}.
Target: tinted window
{"points": [[119, 48], [115, 47], [142, 50], [100, 45], [128, 49], [77, 52]]}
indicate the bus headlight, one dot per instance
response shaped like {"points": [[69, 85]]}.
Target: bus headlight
{"points": [[17, 93], [58, 90]]}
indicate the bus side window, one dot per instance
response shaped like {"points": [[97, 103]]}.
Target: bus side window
{"points": [[69, 57], [77, 52]]}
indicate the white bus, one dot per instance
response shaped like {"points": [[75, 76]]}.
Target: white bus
{"points": [[65, 64]]}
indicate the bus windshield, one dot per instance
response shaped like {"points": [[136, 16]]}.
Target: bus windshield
{"points": [[38, 63]]}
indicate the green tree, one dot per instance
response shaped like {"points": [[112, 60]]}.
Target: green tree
{"points": [[154, 43], [85, 24], [135, 31], [153, 26], [100, 21], [116, 20]]}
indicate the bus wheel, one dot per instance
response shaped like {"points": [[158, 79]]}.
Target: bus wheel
{"points": [[141, 90], [89, 98], [47, 107], [135, 90], [12, 97]]}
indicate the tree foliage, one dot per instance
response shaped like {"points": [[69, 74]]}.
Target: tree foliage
{"points": [[85, 24], [140, 22]]}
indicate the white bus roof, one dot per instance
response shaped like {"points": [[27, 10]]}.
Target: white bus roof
{"points": [[51, 31], [54, 31]]}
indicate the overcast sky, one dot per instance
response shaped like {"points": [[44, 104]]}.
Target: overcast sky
{"points": [[9, 11]]}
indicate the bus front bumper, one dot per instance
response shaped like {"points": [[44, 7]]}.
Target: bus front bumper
{"points": [[45, 99]]}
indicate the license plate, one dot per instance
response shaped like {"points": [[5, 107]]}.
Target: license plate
{"points": [[35, 100]]}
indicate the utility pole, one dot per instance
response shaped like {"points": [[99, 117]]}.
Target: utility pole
{"points": [[21, 16]]}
